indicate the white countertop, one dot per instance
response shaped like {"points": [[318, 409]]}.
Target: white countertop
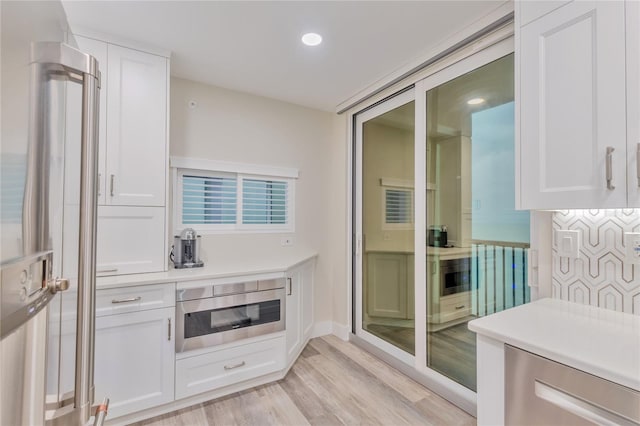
{"points": [[243, 267], [602, 342], [449, 251]]}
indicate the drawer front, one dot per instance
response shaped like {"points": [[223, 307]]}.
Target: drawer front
{"points": [[451, 302], [455, 306], [540, 391], [214, 370], [131, 299]]}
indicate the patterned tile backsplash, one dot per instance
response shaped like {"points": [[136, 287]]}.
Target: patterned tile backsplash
{"points": [[600, 276]]}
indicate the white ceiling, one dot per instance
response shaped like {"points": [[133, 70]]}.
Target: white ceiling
{"points": [[255, 47]]}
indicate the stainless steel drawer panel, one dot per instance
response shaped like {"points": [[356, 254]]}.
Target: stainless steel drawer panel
{"points": [[235, 288], [194, 293], [271, 284], [540, 391]]}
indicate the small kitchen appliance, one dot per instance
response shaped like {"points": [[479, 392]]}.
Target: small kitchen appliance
{"points": [[186, 250], [437, 236]]}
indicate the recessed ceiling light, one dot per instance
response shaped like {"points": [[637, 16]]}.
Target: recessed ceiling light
{"points": [[312, 39], [475, 101]]}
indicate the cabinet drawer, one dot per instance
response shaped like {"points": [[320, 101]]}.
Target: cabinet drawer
{"points": [[206, 372], [131, 299], [455, 306], [455, 300]]}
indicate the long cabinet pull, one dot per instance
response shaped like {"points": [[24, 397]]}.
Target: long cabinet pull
{"points": [[459, 307], [609, 168], [131, 299], [100, 271], [169, 330], [290, 287], [111, 184], [231, 367], [99, 184], [638, 163]]}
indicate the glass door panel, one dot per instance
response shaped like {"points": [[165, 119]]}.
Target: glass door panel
{"points": [[476, 241], [387, 227]]}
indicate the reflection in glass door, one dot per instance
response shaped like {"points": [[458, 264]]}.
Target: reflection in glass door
{"points": [[386, 142], [476, 241]]}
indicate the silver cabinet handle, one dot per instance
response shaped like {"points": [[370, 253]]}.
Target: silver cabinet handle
{"points": [[578, 406], [100, 271], [131, 299], [111, 184], [459, 307], [99, 184], [609, 168], [290, 286], [169, 330], [231, 367], [638, 163]]}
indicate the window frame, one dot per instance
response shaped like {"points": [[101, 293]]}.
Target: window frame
{"points": [[390, 184], [181, 168]]}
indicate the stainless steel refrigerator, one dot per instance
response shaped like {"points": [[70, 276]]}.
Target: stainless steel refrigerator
{"points": [[48, 162]]}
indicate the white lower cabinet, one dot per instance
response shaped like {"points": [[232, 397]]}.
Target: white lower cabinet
{"points": [[299, 308], [135, 360], [205, 372]]}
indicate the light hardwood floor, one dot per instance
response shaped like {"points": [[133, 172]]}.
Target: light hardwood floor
{"points": [[332, 383]]}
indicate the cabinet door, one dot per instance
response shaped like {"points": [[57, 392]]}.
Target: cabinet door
{"points": [[633, 102], [387, 289], [136, 128], [135, 360], [306, 288], [572, 107], [293, 309], [130, 240], [98, 49]]}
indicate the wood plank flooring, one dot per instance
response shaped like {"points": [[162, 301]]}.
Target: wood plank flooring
{"points": [[332, 383], [452, 350]]}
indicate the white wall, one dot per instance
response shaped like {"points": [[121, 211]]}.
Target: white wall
{"points": [[388, 152], [238, 127]]}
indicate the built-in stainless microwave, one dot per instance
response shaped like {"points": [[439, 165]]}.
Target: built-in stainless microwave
{"points": [[455, 276], [216, 314]]}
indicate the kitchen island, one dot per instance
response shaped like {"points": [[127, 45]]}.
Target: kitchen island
{"points": [[603, 343]]}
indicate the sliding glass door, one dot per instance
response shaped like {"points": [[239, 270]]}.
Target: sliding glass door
{"points": [[386, 145], [476, 241], [438, 241]]}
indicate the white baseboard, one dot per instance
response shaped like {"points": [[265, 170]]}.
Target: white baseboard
{"points": [[341, 331], [324, 328]]}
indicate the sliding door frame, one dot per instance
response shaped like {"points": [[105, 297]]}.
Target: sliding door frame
{"points": [[437, 79], [387, 105], [460, 63]]}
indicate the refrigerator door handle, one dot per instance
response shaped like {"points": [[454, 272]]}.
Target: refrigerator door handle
{"points": [[81, 68]]}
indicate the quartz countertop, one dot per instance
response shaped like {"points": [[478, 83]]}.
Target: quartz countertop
{"points": [[598, 341], [213, 270]]}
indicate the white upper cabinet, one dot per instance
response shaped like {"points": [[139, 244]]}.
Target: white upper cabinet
{"points": [[132, 157], [572, 98], [136, 128], [633, 102]]}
